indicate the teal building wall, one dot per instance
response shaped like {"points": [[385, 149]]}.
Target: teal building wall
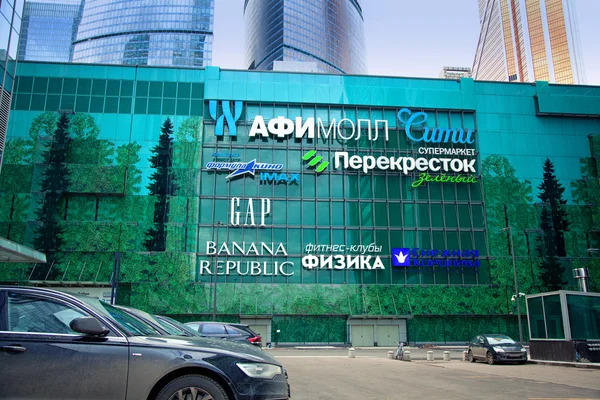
{"points": [[127, 193]]}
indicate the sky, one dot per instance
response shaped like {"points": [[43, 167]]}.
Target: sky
{"points": [[408, 37]]}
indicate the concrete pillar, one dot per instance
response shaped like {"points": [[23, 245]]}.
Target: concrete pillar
{"points": [[430, 355], [390, 355], [351, 352], [465, 355], [446, 356], [407, 356]]}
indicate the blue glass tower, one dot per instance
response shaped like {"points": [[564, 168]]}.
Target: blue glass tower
{"points": [[48, 30], [329, 33], [145, 32]]}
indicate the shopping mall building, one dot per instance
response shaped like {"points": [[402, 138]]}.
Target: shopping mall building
{"points": [[330, 209]]}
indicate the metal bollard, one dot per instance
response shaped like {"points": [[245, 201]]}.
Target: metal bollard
{"points": [[465, 356], [351, 352], [407, 356], [391, 355], [430, 355], [446, 356]]}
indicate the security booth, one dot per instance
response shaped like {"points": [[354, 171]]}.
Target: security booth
{"points": [[564, 326]]}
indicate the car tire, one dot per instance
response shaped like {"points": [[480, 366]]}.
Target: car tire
{"points": [[199, 385], [470, 356], [490, 358]]}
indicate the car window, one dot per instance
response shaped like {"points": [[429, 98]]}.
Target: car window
{"points": [[233, 330], [27, 313], [213, 329], [193, 326], [500, 339]]}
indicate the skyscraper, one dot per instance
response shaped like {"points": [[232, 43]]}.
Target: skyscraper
{"points": [[145, 32], [48, 30], [10, 28], [329, 33], [528, 40]]}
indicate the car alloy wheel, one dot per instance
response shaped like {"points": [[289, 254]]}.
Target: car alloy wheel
{"points": [[191, 393], [192, 387], [471, 358], [490, 358]]}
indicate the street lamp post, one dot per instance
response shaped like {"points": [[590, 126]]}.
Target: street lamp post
{"points": [[512, 249], [214, 316]]}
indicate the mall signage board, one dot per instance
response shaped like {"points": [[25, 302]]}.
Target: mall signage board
{"points": [[443, 154]]}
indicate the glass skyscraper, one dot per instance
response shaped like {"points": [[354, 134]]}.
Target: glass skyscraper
{"points": [[49, 27], [528, 40], [329, 33], [145, 32], [10, 28]]}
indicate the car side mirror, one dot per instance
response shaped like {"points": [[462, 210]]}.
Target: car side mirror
{"points": [[88, 326]]}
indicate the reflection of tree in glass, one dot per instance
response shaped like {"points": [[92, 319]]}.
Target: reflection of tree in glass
{"points": [[507, 202], [55, 182], [586, 221], [553, 223], [162, 185]]}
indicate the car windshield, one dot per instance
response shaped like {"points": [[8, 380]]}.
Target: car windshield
{"points": [[137, 313], [131, 325], [499, 339], [174, 324]]}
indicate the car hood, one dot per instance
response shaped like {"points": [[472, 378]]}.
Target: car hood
{"points": [[217, 346]]}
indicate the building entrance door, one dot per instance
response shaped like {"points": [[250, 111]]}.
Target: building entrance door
{"points": [[362, 336], [388, 335]]}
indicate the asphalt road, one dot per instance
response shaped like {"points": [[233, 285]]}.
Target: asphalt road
{"points": [[332, 375]]}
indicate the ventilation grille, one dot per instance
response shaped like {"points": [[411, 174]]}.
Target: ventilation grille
{"points": [[4, 111]]}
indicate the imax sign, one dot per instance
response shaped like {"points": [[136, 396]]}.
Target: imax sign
{"points": [[266, 177]]}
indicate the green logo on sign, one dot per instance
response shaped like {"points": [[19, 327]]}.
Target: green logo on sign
{"points": [[322, 166]]}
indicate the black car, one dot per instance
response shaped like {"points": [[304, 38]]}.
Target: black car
{"points": [[222, 330], [56, 345], [492, 347], [163, 325]]}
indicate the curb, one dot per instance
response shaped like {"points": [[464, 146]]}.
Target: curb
{"points": [[565, 364]]}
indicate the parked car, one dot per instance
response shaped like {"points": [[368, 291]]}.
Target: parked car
{"points": [[176, 324], [163, 325], [57, 345], [237, 332], [492, 347]]}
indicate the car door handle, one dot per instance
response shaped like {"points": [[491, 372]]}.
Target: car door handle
{"points": [[13, 349]]}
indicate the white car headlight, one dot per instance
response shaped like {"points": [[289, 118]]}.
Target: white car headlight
{"points": [[523, 349], [499, 349], [265, 371]]}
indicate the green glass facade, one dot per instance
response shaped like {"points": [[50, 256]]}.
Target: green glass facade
{"points": [[136, 183]]}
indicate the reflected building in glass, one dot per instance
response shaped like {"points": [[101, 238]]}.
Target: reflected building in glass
{"points": [[11, 13], [528, 40], [329, 33], [48, 30], [145, 32]]}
